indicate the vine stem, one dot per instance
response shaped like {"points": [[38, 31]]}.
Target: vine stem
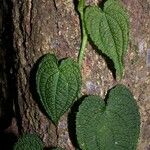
{"points": [[84, 39]]}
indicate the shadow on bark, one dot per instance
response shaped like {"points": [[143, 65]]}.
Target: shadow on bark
{"points": [[7, 140], [72, 121], [10, 67], [109, 62]]}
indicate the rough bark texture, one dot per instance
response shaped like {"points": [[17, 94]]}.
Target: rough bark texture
{"points": [[52, 26], [7, 79], [40, 27]]}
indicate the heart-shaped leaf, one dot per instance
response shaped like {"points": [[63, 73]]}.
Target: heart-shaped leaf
{"points": [[113, 124], [29, 142], [108, 28], [58, 84]]}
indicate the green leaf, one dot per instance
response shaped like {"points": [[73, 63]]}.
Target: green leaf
{"points": [[29, 142], [113, 124], [108, 28], [58, 84]]}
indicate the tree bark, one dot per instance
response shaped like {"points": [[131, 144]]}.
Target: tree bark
{"points": [[52, 26], [40, 27]]}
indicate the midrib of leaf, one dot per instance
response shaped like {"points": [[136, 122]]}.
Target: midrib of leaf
{"points": [[99, 129], [96, 133], [61, 112], [63, 72], [114, 7], [117, 50], [120, 28], [54, 100], [113, 112], [54, 96], [123, 36]]}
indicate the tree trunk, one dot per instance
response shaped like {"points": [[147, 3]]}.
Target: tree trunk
{"points": [[41, 27], [52, 26]]}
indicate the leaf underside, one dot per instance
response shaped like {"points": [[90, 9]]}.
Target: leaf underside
{"points": [[108, 28], [29, 142], [114, 125], [58, 84]]}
